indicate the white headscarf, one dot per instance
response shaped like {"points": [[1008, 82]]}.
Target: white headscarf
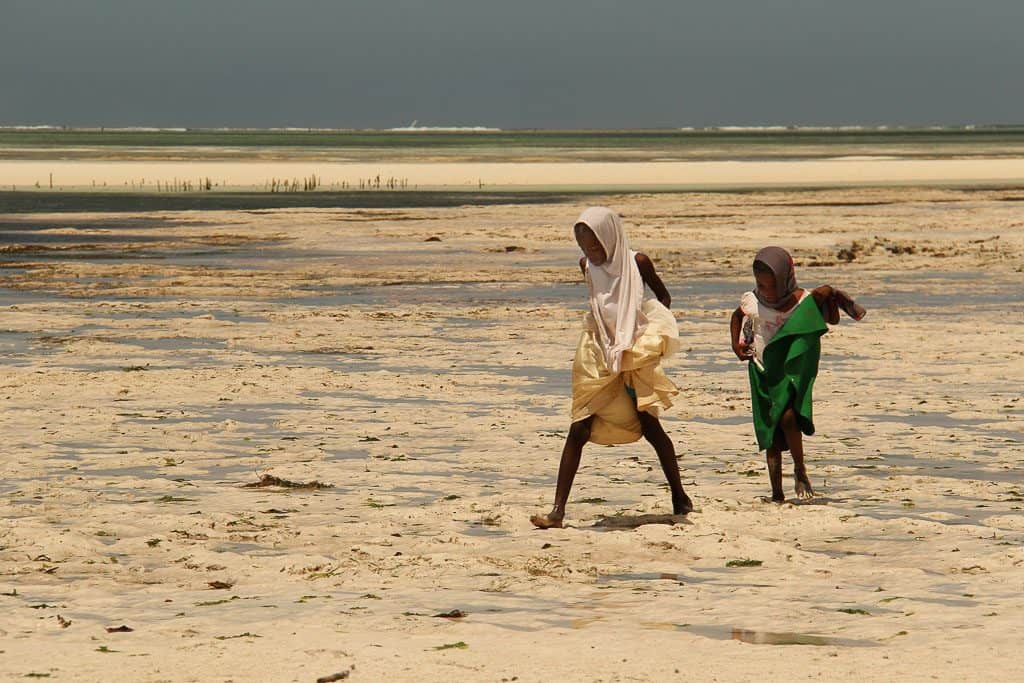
{"points": [[616, 287]]}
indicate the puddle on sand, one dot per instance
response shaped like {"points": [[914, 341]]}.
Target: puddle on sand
{"points": [[641, 576], [484, 530], [727, 420], [679, 578], [761, 637], [248, 549]]}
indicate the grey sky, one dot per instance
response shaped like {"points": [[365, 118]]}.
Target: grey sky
{"points": [[512, 64]]}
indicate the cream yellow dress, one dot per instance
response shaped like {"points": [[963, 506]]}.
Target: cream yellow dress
{"points": [[599, 392]]}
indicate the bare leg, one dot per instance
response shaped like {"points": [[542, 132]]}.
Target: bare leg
{"points": [[656, 436], [795, 439], [774, 458], [579, 434]]}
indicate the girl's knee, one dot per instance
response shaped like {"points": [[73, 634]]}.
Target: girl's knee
{"points": [[788, 419], [650, 426], [580, 431]]}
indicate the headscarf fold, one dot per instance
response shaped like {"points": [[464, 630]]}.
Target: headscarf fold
{"points": [[780, 263], [616, 287]]}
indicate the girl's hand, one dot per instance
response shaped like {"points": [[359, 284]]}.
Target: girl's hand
{"points": [[742, 351]]}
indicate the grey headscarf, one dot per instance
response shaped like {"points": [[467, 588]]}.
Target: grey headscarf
{"points": [[780, 263]]}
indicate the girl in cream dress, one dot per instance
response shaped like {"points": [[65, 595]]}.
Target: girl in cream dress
{"points": [[618, 386]]}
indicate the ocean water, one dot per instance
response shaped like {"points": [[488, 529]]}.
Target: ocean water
{"points": [[491, 145]]}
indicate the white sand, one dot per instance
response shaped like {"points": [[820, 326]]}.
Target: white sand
{"points": [[595, 175], [141, 394]]}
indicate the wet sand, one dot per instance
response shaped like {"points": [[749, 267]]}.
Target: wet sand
{"points": [[156, 363]]}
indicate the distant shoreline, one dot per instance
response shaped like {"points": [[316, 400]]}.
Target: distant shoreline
{"points": [[527, 146], [240, 163], [194, 177], [723, 129]]}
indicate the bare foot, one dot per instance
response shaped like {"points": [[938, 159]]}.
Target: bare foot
{"points": [[682, 506], [770, 499], [552, 520], [803, 486], [778, 498]]}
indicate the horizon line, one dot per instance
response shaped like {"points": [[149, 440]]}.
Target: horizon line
{"points": [[726, 128]]}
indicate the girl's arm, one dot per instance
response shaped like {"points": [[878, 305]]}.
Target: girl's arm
{"points": [[830, 300], [583, 266], [742, 351], [823, 296], [651, 279]]}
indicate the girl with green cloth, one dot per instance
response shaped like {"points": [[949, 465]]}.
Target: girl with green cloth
{"points": [[782, 326]]}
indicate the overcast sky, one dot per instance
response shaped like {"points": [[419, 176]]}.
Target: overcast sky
{"points": [[511, 64]]}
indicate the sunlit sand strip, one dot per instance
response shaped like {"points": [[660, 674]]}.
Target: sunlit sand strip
{"points": [[24, 174]]}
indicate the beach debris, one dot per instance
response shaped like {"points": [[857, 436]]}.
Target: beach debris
{"points": [[318, 572], [64, 623], [210, 603], [452, 646], [452, 614], [240, 635], [433, 238], [879, 245], [271, 480], [340, 676], [744, 563], [220, 585], [173, 499], [846, 254], [119, 629]]}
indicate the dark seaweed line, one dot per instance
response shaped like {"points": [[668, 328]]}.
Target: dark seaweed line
{"points": [[57, 202]]}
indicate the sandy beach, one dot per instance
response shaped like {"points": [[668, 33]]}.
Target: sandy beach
{"points": [[857, 171], [406, 370]]}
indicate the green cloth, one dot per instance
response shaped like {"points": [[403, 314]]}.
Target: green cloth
{"points": [[790, 360]]}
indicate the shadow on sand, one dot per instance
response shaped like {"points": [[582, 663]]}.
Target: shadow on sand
{"points": [[619, 522]]}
